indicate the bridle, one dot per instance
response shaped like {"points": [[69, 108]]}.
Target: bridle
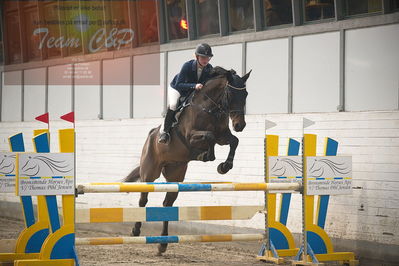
{"points": [[223, 106]]}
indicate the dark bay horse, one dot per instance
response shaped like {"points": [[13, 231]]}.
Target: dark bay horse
{"points": [[204, 123]]}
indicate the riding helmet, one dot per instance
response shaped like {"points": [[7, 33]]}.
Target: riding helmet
{"points": [[203, 49]]}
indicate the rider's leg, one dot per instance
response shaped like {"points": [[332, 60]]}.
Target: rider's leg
{"points": [[173, 98]]}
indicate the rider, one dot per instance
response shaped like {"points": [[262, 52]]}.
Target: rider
{"points": [[192, 76]]}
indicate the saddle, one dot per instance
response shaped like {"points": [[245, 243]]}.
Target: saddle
{"points": [[182, 104]]}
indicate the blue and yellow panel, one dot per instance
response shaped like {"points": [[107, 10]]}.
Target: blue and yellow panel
{"points": [[157, 214], [168, 239], [280, 236]]}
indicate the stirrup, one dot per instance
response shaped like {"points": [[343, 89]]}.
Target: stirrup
{"points": [[164, 138]]}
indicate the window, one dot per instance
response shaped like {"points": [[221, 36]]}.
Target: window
{"points": [[72, 30], [11, 5], [121, 22], [1, 38], [277, 12], [395, 5], [118, 24], [356, 7], [177, 19], [147, 21], [319, 9], [92, 25], [241, 15], [32, 40], [13, 37], [207, 17], [50, 13]]}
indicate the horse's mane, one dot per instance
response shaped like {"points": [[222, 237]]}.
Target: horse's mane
{"points": [[218, 72]]}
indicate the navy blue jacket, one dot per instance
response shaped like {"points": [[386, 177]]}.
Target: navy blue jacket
{"points": [[185, 81]]}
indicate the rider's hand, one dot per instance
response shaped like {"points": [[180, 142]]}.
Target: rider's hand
{"points": [[198, 86]]}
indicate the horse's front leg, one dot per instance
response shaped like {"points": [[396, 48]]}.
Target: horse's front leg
{"points": [[168, 202], [204, 140], [228, 164]]}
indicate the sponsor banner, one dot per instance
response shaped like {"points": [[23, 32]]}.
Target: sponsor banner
{"points": [[7, 172], [46, 174], [285, 169], [329, 175]]}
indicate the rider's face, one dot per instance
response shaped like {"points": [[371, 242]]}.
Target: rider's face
{"points": [[203, 60]]}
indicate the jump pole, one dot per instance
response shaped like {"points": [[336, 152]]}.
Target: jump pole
{"points": [[181, 187]]}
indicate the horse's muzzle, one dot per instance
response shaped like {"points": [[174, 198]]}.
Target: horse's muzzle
{"points": [[238, 127]]}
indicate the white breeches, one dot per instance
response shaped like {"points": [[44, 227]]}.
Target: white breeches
{"points": [[173, 98]]}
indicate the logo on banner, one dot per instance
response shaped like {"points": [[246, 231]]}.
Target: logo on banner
{"points": [[46, 174], [329, 175], [7, 172], [116, 38]]}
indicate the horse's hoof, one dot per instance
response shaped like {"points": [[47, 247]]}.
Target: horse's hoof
{"points": [[135, 232], [212, 157], [203, 157], [224, 168], [162, 249]]}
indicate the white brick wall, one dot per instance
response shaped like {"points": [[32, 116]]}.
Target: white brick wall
{"points": [[108, 150]]}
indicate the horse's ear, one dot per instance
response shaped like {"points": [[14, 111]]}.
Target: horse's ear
{"points": [[229, 75], [246, 76], [233, 72]]}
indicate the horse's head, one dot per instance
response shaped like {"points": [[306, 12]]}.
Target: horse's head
{"points": [[231, 89], [236, 97]]}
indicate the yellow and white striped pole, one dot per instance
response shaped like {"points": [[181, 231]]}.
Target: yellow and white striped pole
{"points": [[182, 187]]}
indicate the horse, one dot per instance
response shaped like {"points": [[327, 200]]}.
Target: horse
{"points": [[202, 124]]}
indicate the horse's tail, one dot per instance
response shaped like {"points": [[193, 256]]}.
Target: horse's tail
{"points": [[133, 176]]}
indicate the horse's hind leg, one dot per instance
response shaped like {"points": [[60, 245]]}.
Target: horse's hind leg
{"points": [[148, 173], [172, 173], [142, 202], [168, 202]]}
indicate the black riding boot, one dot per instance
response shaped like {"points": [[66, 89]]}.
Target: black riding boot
{"points": [[165, 135]]}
